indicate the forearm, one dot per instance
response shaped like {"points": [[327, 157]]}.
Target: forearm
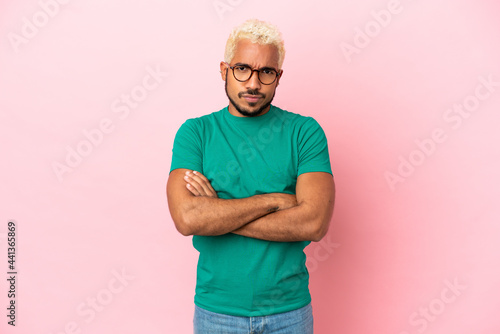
{"points": [[274, 217], [196, 209], [215, 216], [286, 226]]}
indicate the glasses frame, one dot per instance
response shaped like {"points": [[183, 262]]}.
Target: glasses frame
{"points": [[278, 73]]}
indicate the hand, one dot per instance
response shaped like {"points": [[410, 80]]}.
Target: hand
{"points": [[287, 200], [199, 185], [280, 201]]}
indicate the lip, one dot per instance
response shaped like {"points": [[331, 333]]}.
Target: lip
{"points": [[252, 98]]}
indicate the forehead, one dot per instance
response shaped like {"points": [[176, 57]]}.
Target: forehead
{"points": [[256, 55]]}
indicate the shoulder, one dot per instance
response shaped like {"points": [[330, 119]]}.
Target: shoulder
{"points": [[201, 122], [297, 121]]}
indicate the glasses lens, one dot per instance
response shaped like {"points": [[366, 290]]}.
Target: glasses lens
{"points": [[267, 76], [242, 73]]}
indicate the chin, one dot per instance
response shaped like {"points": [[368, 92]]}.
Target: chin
{"points": [[250, 112], [255, 113]]}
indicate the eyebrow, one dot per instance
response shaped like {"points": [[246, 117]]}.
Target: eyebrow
{"points": [[260, 69]]}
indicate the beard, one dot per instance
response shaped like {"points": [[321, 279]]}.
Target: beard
{"points": [[246, 112]]}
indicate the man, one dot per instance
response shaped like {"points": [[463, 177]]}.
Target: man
{"points": [[253, 184]]}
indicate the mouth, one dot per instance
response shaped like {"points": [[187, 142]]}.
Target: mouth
{"points": [[252, 98]]}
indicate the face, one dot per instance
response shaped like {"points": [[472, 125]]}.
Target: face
{"points": [[250, 98]]}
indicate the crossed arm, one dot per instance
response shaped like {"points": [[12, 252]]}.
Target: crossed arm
{"points": [[196, 209]]}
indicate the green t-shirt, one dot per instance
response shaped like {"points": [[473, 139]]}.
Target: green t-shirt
{"points": [[242, 157]]}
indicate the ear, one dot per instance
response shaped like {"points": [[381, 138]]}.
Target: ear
{"points": [[278, 79], [223, 70]]}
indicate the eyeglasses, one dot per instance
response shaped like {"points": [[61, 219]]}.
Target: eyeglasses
{"points": [[266, 75]]}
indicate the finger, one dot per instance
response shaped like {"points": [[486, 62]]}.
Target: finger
{"points": [[200, 175], [207, 183], [200, 183], [195, 185], [206, 188], [192, 190], [211, 190]]}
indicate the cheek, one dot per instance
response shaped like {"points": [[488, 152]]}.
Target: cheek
{"points": [[233, 88], [269, 91]]}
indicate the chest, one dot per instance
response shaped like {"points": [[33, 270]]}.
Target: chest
{"points": [[240, 164]]}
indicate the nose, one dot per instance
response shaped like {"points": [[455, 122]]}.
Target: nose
{"points": [[253, 82]]}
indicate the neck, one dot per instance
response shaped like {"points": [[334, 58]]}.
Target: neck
{"points": [[233, 110]]}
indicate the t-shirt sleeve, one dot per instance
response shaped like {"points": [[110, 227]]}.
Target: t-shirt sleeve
{"points": [[313, 149], [187, 149]]}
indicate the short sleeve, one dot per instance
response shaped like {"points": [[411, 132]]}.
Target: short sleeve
{"points": [[187, 149], [313, 149]]}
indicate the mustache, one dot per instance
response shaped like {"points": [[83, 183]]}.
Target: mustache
{"points": [[251, 92]]}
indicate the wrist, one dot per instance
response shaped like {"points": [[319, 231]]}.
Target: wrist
{"points": [[269, 202]]}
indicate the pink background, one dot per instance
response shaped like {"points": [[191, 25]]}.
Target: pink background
{"points": [[393, 249]]}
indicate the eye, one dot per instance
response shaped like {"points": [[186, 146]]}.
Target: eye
{"points": [[241, 68], [268, 71]]}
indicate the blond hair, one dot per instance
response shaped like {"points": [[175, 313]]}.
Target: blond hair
{"points": [[256, 31]]}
